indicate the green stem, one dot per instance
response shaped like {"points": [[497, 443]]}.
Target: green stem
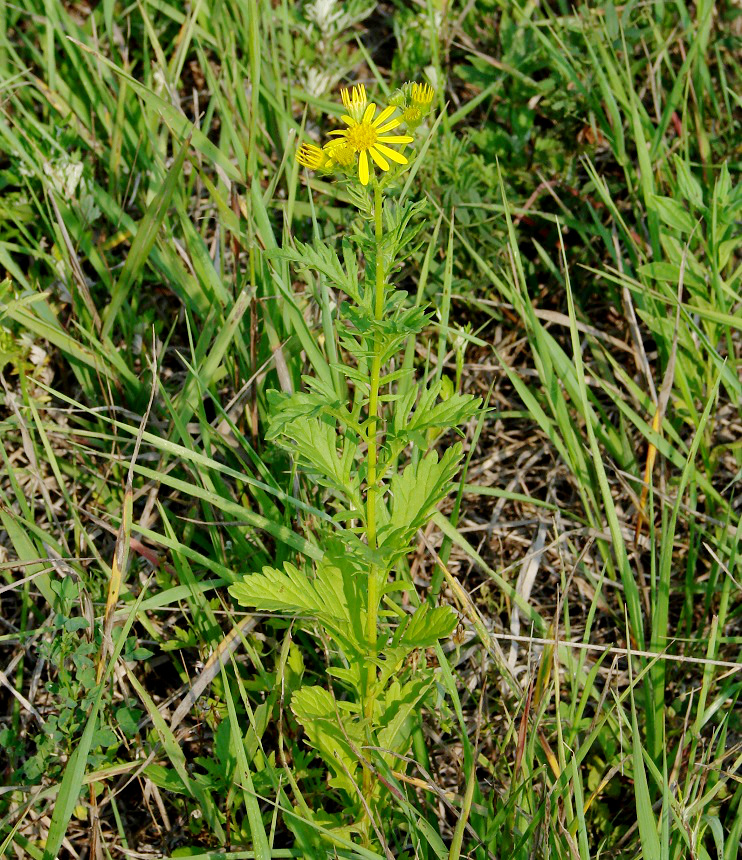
{"points": [[373, 422], [372, 488]]}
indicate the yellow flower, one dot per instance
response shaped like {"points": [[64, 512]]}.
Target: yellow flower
{"points": [[339, 152], [311, 156], [368, 137], [421, 96], [354, 101]]}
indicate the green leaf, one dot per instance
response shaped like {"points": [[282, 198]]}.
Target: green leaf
{"points": [[105, 738], [670, 273], [288, 590], [673, 213], [325, 597], [316, 447], [324, 259], [288, 408], [416, 492], [458, 409], [72, 625], [689, 186], [165, 778], [314, 708], [426, 626], [403, 705], [128, 720], [451, 411], [645, 817]]}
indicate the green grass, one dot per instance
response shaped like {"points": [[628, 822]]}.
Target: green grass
{"points": [[581, 251]]}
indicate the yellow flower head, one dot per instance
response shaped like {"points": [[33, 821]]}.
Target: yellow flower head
{"points": [[311, 156], [421, 96], [340, 153], [368, 137], [354, 101]]}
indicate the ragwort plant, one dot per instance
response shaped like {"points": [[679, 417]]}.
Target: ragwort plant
{"points": [[367, 440]]}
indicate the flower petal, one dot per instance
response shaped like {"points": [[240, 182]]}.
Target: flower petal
{"points": [[385, 114], [340, 131], [396, 138], [391, 153], [378, 158], [348, 120], [363, 168], [389, 126], [368, 115]]}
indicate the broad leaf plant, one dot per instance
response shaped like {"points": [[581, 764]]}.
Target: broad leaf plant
{"points": [[371, 448]]}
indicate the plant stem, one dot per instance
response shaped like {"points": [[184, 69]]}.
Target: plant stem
{"points": [[373, 421], [374, 574]]}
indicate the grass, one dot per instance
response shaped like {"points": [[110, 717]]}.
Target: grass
{"points": [[580, 248]]}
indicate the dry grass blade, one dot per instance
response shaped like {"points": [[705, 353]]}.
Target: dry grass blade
{"points": [[211, 669]]}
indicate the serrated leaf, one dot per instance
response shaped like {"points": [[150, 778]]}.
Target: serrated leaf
{"points": [[315, 444], [458, 409], [416, 492], [332, 596], [402, 411], [329, 583], [289, 590], [284, 410], [431, 412], [319, 399], [324, 259], [391, 329], [426, 626], [314, 708], [353, 373], [341, 578], [403, 703]]}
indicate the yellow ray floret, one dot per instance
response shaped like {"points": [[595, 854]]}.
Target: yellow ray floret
{"points": [[421, 95], [368, 137], [355, 101], [311, 156]]}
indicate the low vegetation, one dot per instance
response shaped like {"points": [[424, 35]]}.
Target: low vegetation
{"points": [[369, 505]]}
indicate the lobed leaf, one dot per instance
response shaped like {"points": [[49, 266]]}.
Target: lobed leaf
{"points": [[314, 708], [427, 625], [324, 259], [415, 494], [288, 590]]}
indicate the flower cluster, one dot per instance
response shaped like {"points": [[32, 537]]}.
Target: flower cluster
{"points": [[366, 140], [414, 101]]}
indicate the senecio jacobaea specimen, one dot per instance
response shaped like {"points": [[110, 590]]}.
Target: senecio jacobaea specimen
{"points": [[365, 436]]}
